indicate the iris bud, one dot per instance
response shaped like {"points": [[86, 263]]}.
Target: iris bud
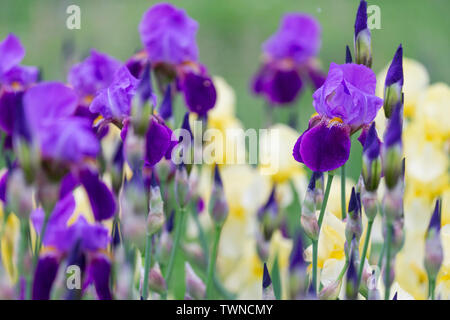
{"points": [[182, 192], [19, 194], [267, 287], [156, 281], [351, 287], [371, 164], [394, 83], [298, 277], [434, 254], [308, 218], [353, 227], [362, 37], [331, 291], [392, 150], [218, 206], [155, 218]]}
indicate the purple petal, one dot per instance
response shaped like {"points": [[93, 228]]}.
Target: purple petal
{"points": [[68, 183], [283, 87], [296, 260], [21, 75], [44, 276], [3, 185], [165, 110], [435, 221], [11, 53], [266, 277], [93, 237], [372, 144], [157, 142], [9, 102], [393, 133], [100, 269], [47, 102], [395, 72], [199, 93], [361, 17], [325, 148], [96, 72], [101, 198], [297, 38], [70, 139], [296, 152], [114, 102], [168, 34]]}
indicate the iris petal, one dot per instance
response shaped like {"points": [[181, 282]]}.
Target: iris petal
{"points": [[325, 148]]}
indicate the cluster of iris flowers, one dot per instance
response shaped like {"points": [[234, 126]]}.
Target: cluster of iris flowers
{"points": [[93, 205]]}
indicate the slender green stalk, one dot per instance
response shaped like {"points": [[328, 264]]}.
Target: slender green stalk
{"points": [[315, 242], [387, 276], [40, 238], [431, 287], [339, 278], [178, 232], [23, 252], [343, 204], [325, 198], [364, 252], [212, 261], [148, 259], [314, 266]]}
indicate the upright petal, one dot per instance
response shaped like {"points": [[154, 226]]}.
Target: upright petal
{"points": [[100, 269], [157, 142], [11, 53]]}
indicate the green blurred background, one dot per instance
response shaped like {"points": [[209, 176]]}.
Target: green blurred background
{"points": [[230, 37]]}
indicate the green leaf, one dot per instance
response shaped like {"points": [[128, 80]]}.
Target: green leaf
{"points": [[276, 279]]}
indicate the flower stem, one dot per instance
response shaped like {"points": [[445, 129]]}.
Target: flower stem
{"points": [[315, 242], [431, 287], [23, 252], [343, 204], [388, 263], [364, 252], [148, 259], [178, 231], [314, 266], [212, 261]]}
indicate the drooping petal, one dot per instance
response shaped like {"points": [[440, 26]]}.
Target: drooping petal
{"points": [[11, 53], [3, 184], [9, 101], [325, 147], [283, 87], [157, 142], [44, 276], [101, 198], [100, 269], [199, 93]]}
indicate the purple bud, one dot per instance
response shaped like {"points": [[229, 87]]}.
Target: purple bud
{"points": [[348, 55], [361, 18], [395, 72], [351, 290], [267, 288], [394, 83], [392, 148], [186, 126], [144, 89], [435, 222], [195, 287], [371, 166], [218, 206], [395, 296], [166, 110], [372, 144], [296, 260]]}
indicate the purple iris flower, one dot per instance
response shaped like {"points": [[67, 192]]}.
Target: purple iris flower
{"points": [[289, 60], [49, 109], [345, 103], [114, 102], [60, 239], [93, 74], [14, 80], [168, 35], [169, 38]]}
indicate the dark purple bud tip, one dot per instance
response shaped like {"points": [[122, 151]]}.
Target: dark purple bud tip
{"points": [[217, 178], [435, 222], [185, 125], [314, 177], [395, 72], [352, 275], [170, 222], [361, 17], [266, 277], [296, 259], [393, 132], [395, 296], [372, 144], [144, 89], [165, 109], [353, 204], [153, 181], [348, 55]]}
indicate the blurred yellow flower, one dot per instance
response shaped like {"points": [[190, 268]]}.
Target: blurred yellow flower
{"points": [[10, 232]]}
